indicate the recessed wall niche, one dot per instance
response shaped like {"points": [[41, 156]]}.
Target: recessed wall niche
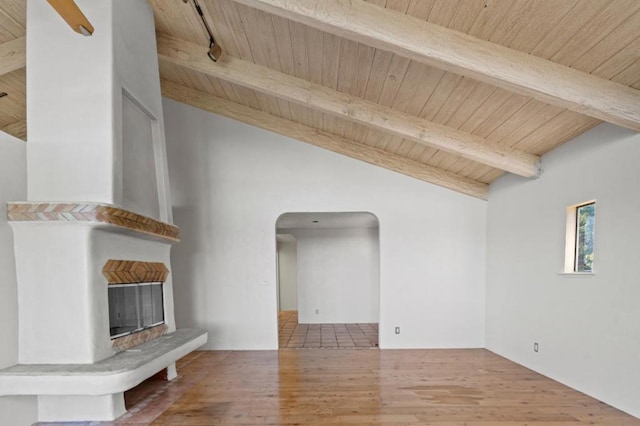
{"points": [[139, 169]]}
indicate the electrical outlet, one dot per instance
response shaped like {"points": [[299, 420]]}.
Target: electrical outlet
{"points": [[535, 347], [397, 330]]}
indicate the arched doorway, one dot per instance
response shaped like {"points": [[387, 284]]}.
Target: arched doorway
{"points": [[328, 280]]}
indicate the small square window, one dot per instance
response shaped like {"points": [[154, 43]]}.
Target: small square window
{"points": [[580, 238]]}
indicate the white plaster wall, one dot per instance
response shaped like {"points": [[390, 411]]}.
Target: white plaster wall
{"points": [[338, 280], [16, 411], [230, 182], [287, 274], [586, 326]]}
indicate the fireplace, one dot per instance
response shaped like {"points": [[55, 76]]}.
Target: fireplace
{"points": [[97, 223]]}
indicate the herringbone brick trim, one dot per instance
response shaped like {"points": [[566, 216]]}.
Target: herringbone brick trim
{"points": [[125, 342], [91, 212], [133, 271]]}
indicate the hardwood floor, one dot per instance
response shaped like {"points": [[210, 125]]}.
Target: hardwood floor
{"points": [[471, 387], [327, 336]]}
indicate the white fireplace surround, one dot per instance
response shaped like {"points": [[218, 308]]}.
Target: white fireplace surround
{"points": [[66, 353], [66, 320]]}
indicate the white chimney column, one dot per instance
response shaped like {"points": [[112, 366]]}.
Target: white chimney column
{"points": [[70, 105], [77, 91], [95, 144]]}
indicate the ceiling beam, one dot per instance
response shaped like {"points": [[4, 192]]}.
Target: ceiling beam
{"points": [[71, 13], [321, 98], [463, 54], [324, 140], [13, 55]]}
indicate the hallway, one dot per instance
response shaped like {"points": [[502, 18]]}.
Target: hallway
{"points": [[292, 335]]}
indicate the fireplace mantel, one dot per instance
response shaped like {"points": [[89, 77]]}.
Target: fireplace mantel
{"points": [[92, 213]]}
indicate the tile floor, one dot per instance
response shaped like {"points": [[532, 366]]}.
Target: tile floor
{"points": [[298, 336]]}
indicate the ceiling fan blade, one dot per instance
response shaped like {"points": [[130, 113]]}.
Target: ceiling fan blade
{"points": [[71, 13]]}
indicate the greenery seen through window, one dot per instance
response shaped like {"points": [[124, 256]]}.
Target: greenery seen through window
{"points": [[585, 224]]}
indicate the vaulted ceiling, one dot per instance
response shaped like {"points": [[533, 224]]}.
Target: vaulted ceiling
{"points": [[453, 92]]}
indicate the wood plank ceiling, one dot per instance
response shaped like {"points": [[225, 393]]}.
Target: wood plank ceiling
{"points": [[13, 77], [359, 91]]}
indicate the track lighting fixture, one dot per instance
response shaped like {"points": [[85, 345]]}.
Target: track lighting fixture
{"points": [[215, 51]]}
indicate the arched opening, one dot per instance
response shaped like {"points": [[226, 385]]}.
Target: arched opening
{"points": [[328, 280]]}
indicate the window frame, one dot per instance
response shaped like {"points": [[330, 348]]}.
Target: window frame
{"points": [[571, 239]]}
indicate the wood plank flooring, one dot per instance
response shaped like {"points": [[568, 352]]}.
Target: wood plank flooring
{"points": [[472, 387], [326, 336]]}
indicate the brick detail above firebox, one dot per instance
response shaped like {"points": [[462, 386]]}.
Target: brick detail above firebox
{"points": [[132, 271], [91, 212]]}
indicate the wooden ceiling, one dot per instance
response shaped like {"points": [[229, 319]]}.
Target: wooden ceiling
{"points": [[13, 78], [454, 92]]}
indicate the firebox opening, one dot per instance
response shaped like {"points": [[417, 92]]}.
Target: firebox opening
{"points": [[135, 307]]}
